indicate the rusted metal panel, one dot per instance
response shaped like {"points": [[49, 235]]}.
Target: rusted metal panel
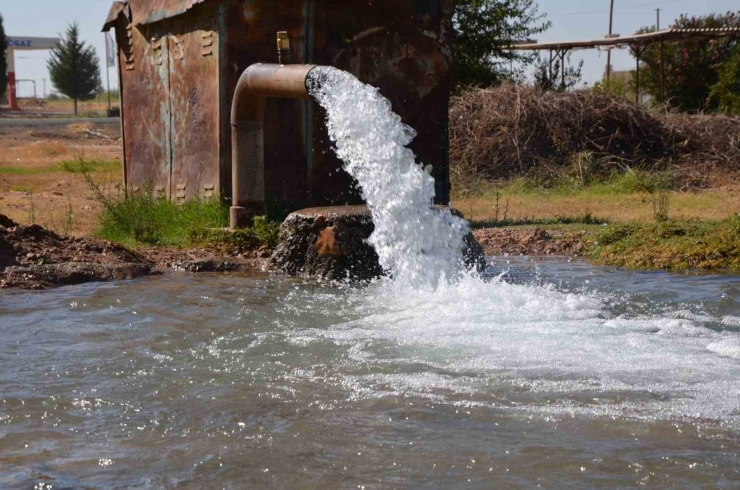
{"points": [[194, 97], [403, 48], [146, 112]]}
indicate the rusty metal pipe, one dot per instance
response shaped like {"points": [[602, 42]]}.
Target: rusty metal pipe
{"points": [[257, 83]]}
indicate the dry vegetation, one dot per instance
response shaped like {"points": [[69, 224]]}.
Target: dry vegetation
{"points": [[510, 131]]}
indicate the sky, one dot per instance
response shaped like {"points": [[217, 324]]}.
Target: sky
{"points": [[571, 20]]}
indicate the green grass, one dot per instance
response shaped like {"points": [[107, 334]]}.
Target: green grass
{"points": [[70, 166], [21, 188], [672, 245], [79, 166], [139, 220]]}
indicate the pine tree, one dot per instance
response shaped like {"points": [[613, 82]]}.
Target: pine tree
{"points": [[74, 68], [3, 60]]}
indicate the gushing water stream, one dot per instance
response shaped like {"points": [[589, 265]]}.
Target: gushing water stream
{"points": [[416, 243]]}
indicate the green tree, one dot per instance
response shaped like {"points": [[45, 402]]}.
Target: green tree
{"points": [[544, 81], [3, 60], [726, 92], [691, 67], [74, 68], [483, 29]]}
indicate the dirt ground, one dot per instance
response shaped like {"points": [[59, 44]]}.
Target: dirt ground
{"points": [[96, 107], [712, 204], [35, 189]]}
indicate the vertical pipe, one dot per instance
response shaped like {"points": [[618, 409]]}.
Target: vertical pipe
{"points": [[12, 89], [550, 77]]}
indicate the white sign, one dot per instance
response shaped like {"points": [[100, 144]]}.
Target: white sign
{"points": [[28, 43]]}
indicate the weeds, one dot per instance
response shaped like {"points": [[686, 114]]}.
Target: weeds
{"points": [[140, 218]]}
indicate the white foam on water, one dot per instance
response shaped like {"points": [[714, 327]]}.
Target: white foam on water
{"points": [[417, 244], [434, 331], [534, 349]]}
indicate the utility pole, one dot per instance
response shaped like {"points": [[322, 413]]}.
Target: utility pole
{"points": [[609, 51], [662, 59]]}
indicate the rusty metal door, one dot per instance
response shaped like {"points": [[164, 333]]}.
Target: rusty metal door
{"points": [[194, 99], [146, 114]]}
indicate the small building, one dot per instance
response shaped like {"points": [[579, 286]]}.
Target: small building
{"points": [[180, 60]]}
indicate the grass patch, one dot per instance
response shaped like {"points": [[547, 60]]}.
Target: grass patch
{"points": [[139, 219], [585, 219], [80, 166], [21, 188], [77, 166], [670, 245]]}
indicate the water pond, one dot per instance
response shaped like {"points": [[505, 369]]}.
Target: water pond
{"points": [[548, 374]]}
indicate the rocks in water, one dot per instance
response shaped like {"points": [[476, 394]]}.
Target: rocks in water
{"points": [[331, 243]]}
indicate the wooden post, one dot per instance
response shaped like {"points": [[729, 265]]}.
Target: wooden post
{"points": [[562, 68]]}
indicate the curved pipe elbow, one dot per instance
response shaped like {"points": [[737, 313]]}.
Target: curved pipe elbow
{"points": [[265, 80]]}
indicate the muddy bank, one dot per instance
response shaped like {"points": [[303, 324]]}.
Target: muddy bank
{"points": [[508, 241], [34, 258]]}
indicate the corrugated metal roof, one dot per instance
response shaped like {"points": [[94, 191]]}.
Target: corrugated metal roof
{"points": [[149, 11], [637, 39], [116, 10]]}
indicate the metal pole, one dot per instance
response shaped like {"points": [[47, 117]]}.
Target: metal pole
{"points": [[562, 69], [637, 75], [609, 51], [551, 68], [662, 62], [107, 78]]}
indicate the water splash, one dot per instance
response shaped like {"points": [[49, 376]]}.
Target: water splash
{"points": [[417, 244]]}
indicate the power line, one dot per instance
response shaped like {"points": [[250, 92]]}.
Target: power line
{"points": [[626, 7]]}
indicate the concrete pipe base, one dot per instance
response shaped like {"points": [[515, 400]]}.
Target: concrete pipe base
{"points": [[331, 243]]}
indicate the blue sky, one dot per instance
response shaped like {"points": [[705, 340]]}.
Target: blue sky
{"points": [[571, 19]]}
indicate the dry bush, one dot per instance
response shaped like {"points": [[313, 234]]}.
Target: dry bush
{"points": [[509, 131]]}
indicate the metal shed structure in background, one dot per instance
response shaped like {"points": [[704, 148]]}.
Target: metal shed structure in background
{"points": [[180, 60]]}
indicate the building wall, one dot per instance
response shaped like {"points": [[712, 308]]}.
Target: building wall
{"points": [[170, 74]]}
